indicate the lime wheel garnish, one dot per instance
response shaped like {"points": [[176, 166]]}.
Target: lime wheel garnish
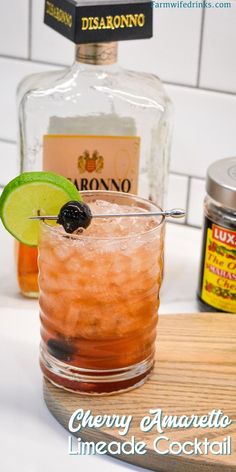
{"points": [[31, 194]]}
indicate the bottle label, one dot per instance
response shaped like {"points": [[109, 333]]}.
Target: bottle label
{"points": [[94, 162], [219, 271]]}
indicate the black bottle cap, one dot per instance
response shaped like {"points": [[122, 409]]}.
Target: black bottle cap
{"points": [[86, 21]]}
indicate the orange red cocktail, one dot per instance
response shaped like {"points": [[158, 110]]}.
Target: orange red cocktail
{"points": [[99, 296]]}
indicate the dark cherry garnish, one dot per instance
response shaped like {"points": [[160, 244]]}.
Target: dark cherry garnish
{"points": [[62, 350], [74, 215]]}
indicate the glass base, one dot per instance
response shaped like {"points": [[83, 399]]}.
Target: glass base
{"points": [[94, 382], [30, 294]]}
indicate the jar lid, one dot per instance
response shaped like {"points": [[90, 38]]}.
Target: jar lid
{"points": [[221, 182]]}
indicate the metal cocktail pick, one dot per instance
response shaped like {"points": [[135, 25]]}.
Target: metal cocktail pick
{"points": [[174, 213]]}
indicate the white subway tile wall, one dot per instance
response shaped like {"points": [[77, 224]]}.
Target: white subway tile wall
{"points": [[14, 28], [205, 129], [218, 61], [196, 198], [173, 52], [9, 167], [177, 193], [193, 51]]}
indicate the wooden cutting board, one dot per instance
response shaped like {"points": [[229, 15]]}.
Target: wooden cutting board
{"points": [[195, 372]]}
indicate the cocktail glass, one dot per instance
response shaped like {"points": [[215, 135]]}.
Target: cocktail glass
{"points": [[99, 297]]}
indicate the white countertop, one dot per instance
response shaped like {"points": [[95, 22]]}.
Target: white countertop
{"points": [[31, 440]]}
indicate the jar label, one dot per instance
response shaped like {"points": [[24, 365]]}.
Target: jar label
{"points": [[94, 162], [219, 271]]}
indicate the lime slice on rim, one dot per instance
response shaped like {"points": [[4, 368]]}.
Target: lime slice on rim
{"points": [[32, 194]]}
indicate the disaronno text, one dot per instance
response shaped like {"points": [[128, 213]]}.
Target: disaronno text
{"points": [[113, 22], [119, 185], [58, 14]]}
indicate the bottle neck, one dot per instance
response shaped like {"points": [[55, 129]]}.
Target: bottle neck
{"points": [[97, 53]]}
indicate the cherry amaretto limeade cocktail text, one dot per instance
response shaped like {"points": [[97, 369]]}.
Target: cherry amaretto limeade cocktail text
{"points": [[99, 296]]}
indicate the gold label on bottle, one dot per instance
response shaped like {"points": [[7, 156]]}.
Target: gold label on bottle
{"points": [[94, 162], [219, 271]]}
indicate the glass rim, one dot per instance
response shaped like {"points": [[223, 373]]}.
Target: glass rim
{"points": [[83, 236]]}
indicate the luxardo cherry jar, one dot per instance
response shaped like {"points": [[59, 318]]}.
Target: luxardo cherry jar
{"points": [[217, 280]]}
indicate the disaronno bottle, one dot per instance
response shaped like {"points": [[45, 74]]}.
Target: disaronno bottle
{"points": [[97, 124]]}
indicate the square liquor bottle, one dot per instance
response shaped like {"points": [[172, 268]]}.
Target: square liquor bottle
{"points": [[96, 123]]}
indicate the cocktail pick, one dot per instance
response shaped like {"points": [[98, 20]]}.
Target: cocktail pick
{"points": [[75, 215], [174, 213]]}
